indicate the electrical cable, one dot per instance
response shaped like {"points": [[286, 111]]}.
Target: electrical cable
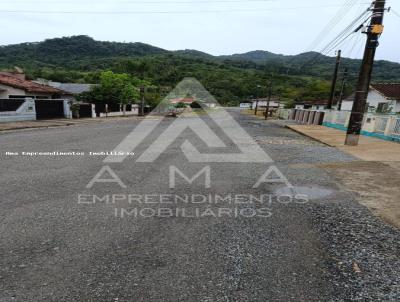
{"points": [[157, 12]]}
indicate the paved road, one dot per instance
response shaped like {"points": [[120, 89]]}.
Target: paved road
{"points": [[54, 248]]}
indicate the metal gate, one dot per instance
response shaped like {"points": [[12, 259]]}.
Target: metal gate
{"points": [[47, 109], [85, 110]]}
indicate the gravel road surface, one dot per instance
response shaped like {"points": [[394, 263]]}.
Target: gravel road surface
{"points": [[60, 243]]}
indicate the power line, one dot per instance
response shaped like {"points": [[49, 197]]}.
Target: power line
{"points": [[138, 2], [340, 38], [156, 12], [141, 2], [345, 33], [356, 42], [395, 12], [340, 14]]}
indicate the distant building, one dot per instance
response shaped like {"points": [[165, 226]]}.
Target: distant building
{"points": [[14, 85], [313, 105], [263, 103], [384, 97], [245, 105], [187, 101], [192, 102]]}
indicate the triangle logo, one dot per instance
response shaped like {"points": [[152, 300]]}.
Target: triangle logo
{"points": [[249, 150]]}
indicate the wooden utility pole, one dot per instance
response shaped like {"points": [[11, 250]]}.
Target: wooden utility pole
{"points": [[334, 80], [373, 32], [257, 96], [141, 109], [256, 108], [269, 99], [342, 89]]}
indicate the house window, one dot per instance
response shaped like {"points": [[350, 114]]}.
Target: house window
{"points": [[382, 108]]}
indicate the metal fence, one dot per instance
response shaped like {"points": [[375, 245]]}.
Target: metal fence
{"points": [[396, 129], [381, 124]]}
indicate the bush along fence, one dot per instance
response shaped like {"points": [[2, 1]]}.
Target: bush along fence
{"points": [[386, 127]]}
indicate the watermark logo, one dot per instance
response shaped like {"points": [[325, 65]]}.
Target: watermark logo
{"points": [[249, 150], [210, 124]]}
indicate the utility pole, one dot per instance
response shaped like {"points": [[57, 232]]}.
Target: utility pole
{"points": [[342, 89], [334, 80], [374, 31], [257, 96], [256, 109], [141, 111], [269, 99]]}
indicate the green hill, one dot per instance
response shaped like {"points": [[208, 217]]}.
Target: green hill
{"points": [[230, 78]]}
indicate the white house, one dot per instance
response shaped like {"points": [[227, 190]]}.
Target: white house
{"points": [[381, 98]]}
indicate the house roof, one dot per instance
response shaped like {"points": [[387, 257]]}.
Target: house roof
{"points": [[71, 88], [74, 88], [388, 90], [11, 80]]}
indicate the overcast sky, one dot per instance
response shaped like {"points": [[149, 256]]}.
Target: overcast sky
{"points": [[214, 26]]}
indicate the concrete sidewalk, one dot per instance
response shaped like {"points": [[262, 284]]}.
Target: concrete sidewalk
{"points": [[374, 179], [369, 149]]}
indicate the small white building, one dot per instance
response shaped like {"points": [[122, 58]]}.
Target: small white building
{"points": [[313, 105], [263, 103], [382, 98], [245, 105]]}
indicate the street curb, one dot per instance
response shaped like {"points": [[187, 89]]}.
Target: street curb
{"points": [[67, 124], [309, 136]]}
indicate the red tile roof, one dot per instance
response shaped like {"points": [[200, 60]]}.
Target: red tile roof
{"points": [[390, 91], [11, 80]]}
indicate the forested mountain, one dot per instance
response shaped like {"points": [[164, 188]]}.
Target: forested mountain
{"points": [[230, 78], [62, 51]]}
